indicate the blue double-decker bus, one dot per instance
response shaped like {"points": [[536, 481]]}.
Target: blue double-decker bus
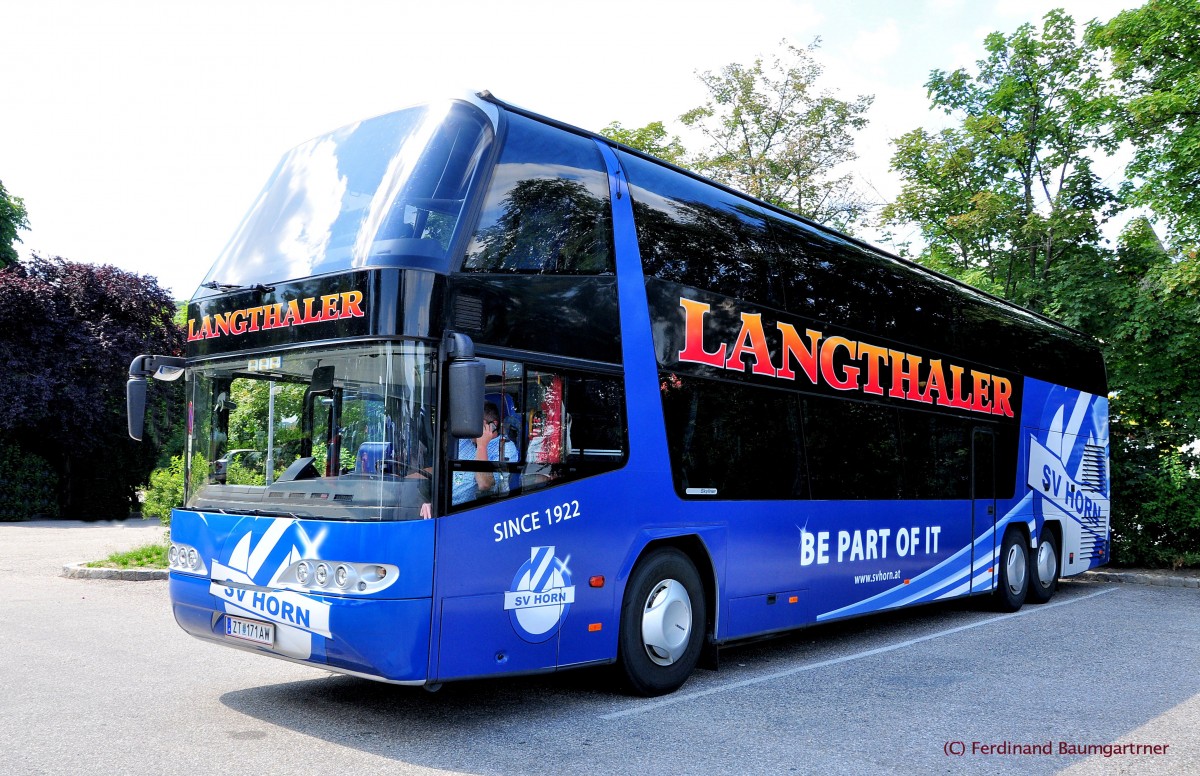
{"points": [[472, 392]]}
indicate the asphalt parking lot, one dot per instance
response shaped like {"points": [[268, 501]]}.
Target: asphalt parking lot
{"points": [[98, 678]]}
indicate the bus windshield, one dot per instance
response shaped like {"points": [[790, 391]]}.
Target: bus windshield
{"points": [[332, 433], [387, 191]]}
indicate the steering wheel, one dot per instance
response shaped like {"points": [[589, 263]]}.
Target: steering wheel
{"points": [[405, 468]]}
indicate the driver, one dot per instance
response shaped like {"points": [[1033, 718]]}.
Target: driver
{"points": [[469, 486]]}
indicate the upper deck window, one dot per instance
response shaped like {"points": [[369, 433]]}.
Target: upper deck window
{"points": [[388, 191], [547, 211]]}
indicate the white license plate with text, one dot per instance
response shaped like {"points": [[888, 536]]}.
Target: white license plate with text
{"points": [[250, 630]]}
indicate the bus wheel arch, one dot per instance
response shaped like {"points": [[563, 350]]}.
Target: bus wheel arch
{"points": [[665, 617], [1013, 584], [1046, 564]]}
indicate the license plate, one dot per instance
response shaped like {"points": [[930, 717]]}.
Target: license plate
{"points": [[250, 630]]}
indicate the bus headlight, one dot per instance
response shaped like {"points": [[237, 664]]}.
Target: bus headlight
{"points": [[341, 577], [185, 559]]}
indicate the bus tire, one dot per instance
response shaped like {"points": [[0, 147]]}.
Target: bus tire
{"points": [[1014, 573], [1043, 577], [663, 621]]}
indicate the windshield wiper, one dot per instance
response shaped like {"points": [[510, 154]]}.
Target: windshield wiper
{"points": [[250, 512], [218, 286]]}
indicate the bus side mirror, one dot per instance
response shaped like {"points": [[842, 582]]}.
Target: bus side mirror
{"points": [[135, 404], [167, 368], [466, 388]]}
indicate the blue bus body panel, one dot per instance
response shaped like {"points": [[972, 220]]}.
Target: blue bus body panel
{"points": [[536, 582], [515, 593], [384, 634]]}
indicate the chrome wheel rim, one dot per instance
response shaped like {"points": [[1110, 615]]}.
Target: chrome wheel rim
{"points": [[667, 622], [1047, 564], [1014, 567]]}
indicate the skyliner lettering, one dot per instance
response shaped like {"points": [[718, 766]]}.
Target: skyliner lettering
{"points": [[844, 364], [297, 312]]}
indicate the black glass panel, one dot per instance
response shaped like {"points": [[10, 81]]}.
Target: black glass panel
{"points": [[547, 210], [731, 441], [697, 235], [853, 449], [937, 456]]}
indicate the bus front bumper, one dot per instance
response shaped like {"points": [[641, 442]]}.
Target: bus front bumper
{"points": [[383, 639]]}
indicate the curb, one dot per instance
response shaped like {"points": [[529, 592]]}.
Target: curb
{"points": [[1143, 578], [82, 571]]}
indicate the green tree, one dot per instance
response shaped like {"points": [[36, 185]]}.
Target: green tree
{"points": [[70, 331], [1010, 191], [652, 139], [1143, 302], [1155, 53], [12, 218], [966, 214], [772, 134], [1006, 199]]}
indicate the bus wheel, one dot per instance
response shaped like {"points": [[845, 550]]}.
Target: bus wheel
{"points": [[662, 623], [1044, 579], [1014, 573]]}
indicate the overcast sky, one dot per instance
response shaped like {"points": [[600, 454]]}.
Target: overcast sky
{"points": [[139, 132]]}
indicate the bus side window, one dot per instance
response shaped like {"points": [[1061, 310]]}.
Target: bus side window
{"points": [[576, 427], [556, 426], [548, 210], [855, 449], [696, 235], [733, 441], [549, 429]]}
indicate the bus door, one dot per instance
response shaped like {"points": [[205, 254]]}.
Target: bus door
{"points": [[983, 500]]}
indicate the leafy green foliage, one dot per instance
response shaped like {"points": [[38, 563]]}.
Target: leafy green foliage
{"points": [[70, 332], [28, 486], [1155, 53], [1007, 200], [772, 134], [1143, 302], [652, 139], [166, 490], [1010, 192], [13, 217]]}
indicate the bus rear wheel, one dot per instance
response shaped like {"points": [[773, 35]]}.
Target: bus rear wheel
{"points": [[1014, 573], [663, 621], [1044, 579]]}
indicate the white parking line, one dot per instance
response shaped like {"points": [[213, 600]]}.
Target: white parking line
{"points": [[671, 700]]}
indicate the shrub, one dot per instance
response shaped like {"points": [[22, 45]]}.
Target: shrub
{"points": [[166, 487], [165, 491], [28, 486], [1156, 517]]}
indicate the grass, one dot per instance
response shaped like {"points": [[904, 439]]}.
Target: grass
{"points": [[150, 556]]}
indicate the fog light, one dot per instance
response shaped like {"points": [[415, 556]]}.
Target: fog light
{"points": [[173, 555], [303, 572], [193, 558], [341, 575]]}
